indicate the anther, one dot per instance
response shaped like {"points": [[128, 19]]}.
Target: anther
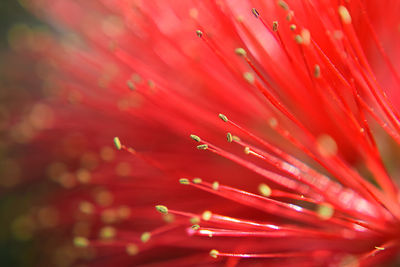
{"points": [[197, 180], [195, 138], [325, 211], [265, 190], [223, 117], [206, 215], [275, 25], [293, 27], [215, 185], [249, 77], [240, 52], [199, 33], [195, 227], [283, 5], [184, 181], [117, 143], [255, 12], [317, 71], [202, 147], [145, 237], [235, 138], [344, 14], [214, 253], [162, 209], [298, 39], [229, 137], [130, 85], [247, 150], [107, 232], [81, 242]]}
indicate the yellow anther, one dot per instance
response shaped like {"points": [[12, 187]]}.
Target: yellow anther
{"points": [[223, 117], [214, 253], [229, 137], [247, 150], [206, 215], [325, 211], [344, 14], [235, 138], [162, 209], [195, 138], [265, 190], [117, 143], [197, 180], [202, 147], [240, 52], [215, 185], [249, 77]]}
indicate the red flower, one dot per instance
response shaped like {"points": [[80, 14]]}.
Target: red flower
{"points": [[304, 95]]}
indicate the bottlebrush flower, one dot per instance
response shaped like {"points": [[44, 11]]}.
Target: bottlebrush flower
{"points": [[305, 88]]}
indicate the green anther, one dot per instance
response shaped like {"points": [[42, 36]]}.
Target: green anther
{"points": [[223, 117], [202, 147], [117, 143], [184, 181], [162, 209], [293, 27], [195, 138], [195, 227], [145, 237]]}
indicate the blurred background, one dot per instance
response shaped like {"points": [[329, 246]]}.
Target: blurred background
{"points": [[18, 89]]}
